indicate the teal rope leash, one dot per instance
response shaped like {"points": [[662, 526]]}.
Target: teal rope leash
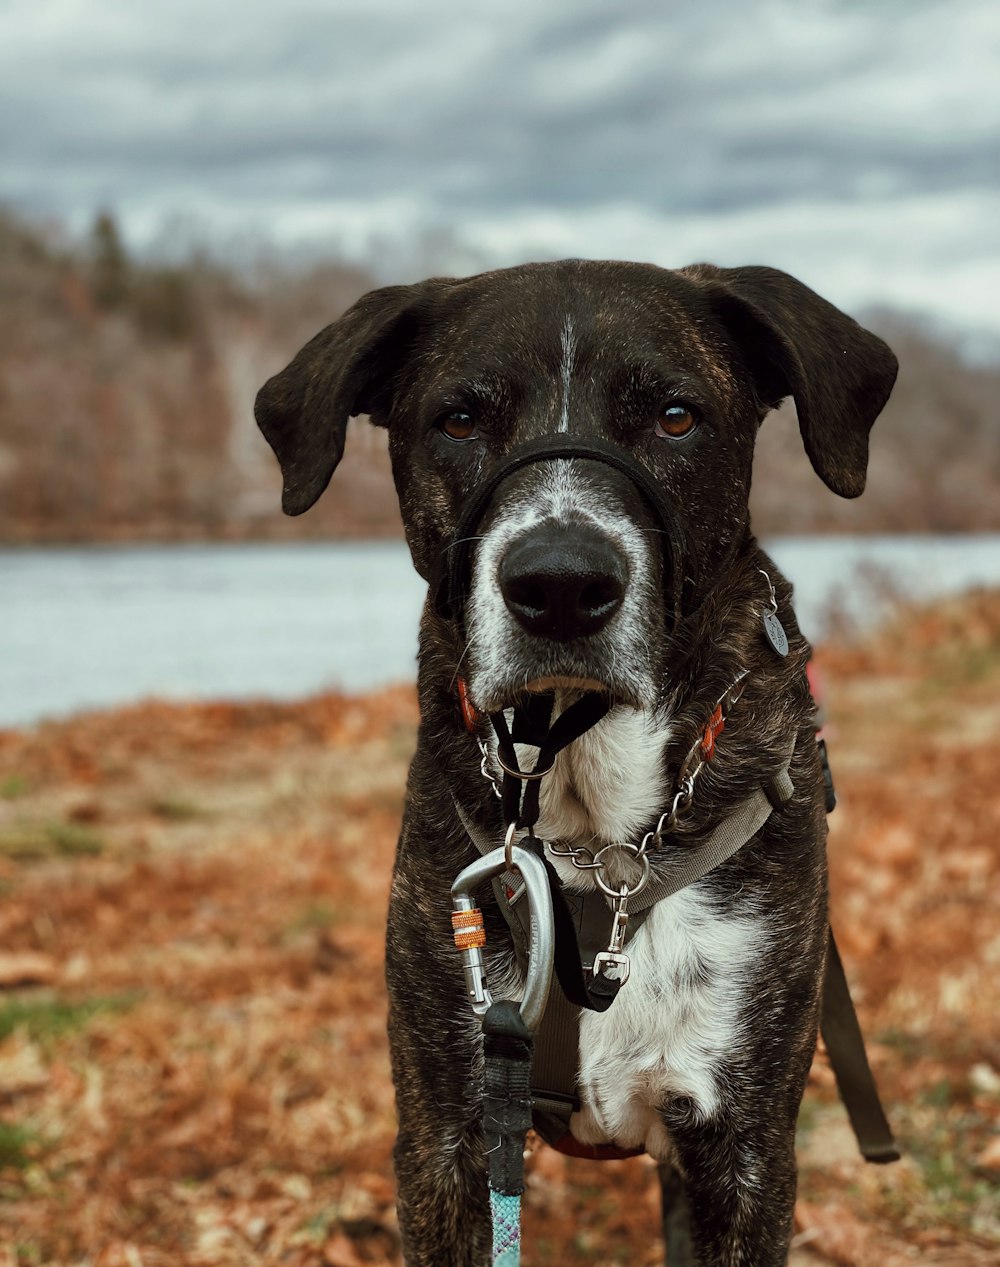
{"points": [[506, 1212], [507, 1048], [508, 1030]]}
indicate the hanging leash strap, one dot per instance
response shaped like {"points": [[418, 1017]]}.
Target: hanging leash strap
{"points": [[508, 1031], [845, 1046], [841, 1030]]}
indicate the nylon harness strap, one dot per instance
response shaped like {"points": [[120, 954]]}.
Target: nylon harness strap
{"points": [[845, 1046]]}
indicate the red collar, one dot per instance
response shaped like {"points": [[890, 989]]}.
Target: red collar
{"points": [[469, 715]]}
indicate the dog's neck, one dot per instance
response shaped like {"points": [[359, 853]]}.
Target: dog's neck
{"points": [[607, 785], [612, 784]]}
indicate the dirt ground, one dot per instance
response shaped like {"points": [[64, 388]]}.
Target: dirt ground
{"points": [[193, 1064]]}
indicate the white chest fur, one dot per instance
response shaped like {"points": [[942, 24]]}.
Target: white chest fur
{"points": [[678, 1016], [674, 1022]]}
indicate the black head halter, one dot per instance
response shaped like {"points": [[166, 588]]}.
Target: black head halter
{"points": [[451, 590]]}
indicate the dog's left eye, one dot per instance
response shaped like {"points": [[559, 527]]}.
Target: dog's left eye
{"points": [[457, 425], [675, 421]]}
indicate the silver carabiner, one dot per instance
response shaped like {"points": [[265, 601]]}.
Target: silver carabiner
{"points": [[541, 939]]}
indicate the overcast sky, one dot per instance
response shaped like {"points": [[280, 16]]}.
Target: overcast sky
{"points": [[854, 142]]}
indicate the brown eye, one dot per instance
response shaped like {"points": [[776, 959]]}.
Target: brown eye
{"points": [[675, 421], [457, 425]]}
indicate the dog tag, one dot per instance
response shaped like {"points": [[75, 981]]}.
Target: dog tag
{"points": [[775, 634]]}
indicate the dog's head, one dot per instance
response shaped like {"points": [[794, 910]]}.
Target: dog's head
{"points": [[577, 577]]}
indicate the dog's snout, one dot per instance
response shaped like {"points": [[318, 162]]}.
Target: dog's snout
{"points": [[563, 581]]}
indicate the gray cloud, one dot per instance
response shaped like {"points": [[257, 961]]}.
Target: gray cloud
{"points": [[310, 118]]}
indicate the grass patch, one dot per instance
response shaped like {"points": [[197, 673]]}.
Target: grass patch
{"points": [[27, 1255], [809, 1114], [74, 839], [319, 1225], [314, 918], [13, 786], [947, 1187], [18, 1146], [48, 1018], [939, 1095], [955, 1192], [176, 809], [30, 842]]}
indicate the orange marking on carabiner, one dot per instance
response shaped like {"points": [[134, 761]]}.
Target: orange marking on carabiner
{"points": [[471, 938], [468, 926]]}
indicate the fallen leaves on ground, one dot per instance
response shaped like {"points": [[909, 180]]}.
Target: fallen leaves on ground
{"points": [[193, 1064]]}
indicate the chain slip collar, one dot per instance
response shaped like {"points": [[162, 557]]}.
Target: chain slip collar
{"points": [[584, 859]]}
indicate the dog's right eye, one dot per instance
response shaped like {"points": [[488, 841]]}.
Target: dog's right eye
{"points": [[457, 425], [675, 421]]}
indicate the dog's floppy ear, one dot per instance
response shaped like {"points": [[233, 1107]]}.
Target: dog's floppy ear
{"points": [[344, 370], [796, 344]]}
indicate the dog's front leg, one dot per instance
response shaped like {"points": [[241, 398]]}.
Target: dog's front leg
{"points": [[441, 1181], [740, 1181]]}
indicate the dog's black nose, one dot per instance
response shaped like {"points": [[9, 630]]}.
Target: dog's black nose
{"points": [[563, 581]]}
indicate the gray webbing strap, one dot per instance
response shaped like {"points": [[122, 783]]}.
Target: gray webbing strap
{"points": [[689, 864], [729, 837]]}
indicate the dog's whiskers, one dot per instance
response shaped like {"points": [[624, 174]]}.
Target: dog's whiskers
{"points": [[462, 540], [465, 651]]}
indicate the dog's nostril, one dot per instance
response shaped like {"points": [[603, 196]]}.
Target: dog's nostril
{"points": [[563, 582], [527, 593], [606, 593]]}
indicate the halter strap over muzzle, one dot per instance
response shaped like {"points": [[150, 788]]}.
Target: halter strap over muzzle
{"points": [[452, 585]]}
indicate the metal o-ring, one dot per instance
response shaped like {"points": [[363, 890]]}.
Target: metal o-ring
{"points": [[520, 774], [643, 878]]}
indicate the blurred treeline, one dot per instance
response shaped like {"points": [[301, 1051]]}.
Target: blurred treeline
{"points": [[127, 387], [126, 391]]}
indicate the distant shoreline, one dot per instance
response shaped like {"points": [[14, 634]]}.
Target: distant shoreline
{"points": [[235, 534]]}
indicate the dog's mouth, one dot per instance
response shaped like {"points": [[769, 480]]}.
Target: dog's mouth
{"points": [[566, 687], [563, 682]]}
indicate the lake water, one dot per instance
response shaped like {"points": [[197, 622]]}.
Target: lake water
{"points": [[97, 626]]}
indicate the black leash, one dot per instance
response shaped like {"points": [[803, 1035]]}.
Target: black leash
{"points": [[507, 1049], [520, 807], [845, 1045]]}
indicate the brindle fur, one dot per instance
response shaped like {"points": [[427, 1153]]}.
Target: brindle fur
{"points": [[747, 338]]}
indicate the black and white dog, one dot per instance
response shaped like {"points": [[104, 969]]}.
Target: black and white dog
{"points": [[575, 586]]}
